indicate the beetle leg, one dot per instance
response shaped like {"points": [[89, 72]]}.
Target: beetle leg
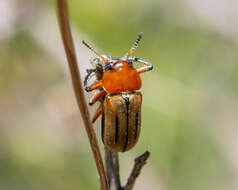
{"points": [[97, 113], [96, 97], [94, 86], [91, 73], [93, 62], [147, 66], [142, 69]]}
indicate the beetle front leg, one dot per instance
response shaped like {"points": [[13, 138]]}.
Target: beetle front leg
{"points": [[94, 86], [142, 69], [90, 74], [147, 66], [96, 97]]}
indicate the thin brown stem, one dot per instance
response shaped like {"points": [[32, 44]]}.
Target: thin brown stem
{"points": [[112, 168], [78, 90], [139, 163], [113, 174]]}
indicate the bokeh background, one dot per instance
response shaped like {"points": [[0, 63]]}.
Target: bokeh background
{"points": [[190, 103]]}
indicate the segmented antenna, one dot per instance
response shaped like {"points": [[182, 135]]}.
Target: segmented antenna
{"points": [[98, 54], [132, 50]]}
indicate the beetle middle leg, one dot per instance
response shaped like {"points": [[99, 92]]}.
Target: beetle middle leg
{"points": [[96, 97]]}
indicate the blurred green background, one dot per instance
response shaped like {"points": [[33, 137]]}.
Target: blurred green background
{"points": [[190, 103]]}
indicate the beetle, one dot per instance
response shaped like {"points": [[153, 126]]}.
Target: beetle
{"points": [[118, 82]]}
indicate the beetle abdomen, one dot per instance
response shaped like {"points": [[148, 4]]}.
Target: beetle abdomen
{"points": [[121, 121]]}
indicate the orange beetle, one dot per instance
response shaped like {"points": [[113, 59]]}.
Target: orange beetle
{"points": [[118, 82]]}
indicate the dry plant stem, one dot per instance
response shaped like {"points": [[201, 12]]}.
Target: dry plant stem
{"points": [[78, 90], [112, 168], [139, 163]]}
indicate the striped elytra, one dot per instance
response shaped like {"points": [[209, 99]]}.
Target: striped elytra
{"points": [[121, 121]]}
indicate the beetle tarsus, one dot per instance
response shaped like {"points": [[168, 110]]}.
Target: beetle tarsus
{"points": [[88, 89]]}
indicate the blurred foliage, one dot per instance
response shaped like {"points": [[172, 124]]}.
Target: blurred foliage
{"points": [[20, 59], [181, 51], [193, 67], [182, 151]]}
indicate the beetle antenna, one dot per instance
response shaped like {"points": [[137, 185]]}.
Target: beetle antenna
{"points": [[98, 54], [132, 50]]}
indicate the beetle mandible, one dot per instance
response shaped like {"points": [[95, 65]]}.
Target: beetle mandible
{"points": [[117, 82]]}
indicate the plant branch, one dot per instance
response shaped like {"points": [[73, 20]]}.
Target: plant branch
{"points": [[112, 168], [78, 90], [139, 163]]}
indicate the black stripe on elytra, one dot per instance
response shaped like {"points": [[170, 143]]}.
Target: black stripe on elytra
{"points": [[103, 126], [137, 122], [127, 124], [116, 130]]}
